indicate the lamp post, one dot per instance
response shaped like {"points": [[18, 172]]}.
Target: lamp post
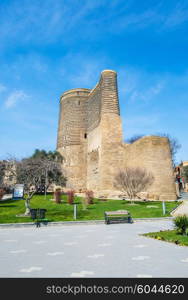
{"points": [[45, 182]]}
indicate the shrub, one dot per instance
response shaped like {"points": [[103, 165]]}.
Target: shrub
{"points": [[89, 195], [70, 196], [181, 224], [84, 203]]}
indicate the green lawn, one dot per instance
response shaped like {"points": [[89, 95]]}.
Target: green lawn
{"points": [[169, 236], [64, 212]]}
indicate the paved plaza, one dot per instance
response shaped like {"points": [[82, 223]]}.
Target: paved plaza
{"points": [[100, 250]]}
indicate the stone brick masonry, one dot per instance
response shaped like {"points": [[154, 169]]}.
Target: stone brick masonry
{"points": [[90, 139]]}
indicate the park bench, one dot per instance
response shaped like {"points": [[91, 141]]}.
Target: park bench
{"points": [[38, 214], [118, 216]]}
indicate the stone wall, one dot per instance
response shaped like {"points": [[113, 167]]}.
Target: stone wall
{"points": [[93, 158], [94, 108], [153, 154], [103, 141]]}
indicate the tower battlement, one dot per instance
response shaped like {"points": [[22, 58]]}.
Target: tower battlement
{"points": [[75, 92]]}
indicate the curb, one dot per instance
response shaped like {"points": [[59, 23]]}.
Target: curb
{"points": [[20, 225], [69, 223], [153, 219]]}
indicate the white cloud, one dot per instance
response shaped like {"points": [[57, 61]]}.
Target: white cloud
{"points": [[2, 88], [142, 122], [68, 21], [141, 125], [82, 71], [178, 16], [15, 98], [138, 85], [44, 21], [86, 76], [136, 21], [147, 94]]}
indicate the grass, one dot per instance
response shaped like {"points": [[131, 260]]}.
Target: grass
{"points": [[169, 236], [64, 212]]}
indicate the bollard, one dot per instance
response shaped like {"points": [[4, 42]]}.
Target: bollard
{"points": [[75, 211], [164, 208]]}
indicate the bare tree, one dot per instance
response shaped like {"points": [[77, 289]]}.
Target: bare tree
{"points": [[2, 173], [133, 180], [34, 172], [48, 158], [6, 175]]}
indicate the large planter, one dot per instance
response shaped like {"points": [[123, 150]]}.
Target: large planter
{"points": [[57, 195], [70, 196]]}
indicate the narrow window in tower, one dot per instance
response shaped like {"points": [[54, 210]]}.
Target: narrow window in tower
{"points": [[78, 102], [85, 135]]}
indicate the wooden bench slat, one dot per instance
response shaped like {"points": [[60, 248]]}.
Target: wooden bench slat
{"points": [[117, 212]]}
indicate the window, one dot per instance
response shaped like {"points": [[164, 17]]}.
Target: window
{"points": [[85, 135]]}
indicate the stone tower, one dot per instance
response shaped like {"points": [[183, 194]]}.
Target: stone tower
{"points": [[90, 139]]}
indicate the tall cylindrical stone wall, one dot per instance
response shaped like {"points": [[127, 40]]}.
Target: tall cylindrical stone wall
{"points": [[72, 117], [72, 136]]}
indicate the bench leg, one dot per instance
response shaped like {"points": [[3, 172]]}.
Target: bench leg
{"points": [[38, 224], [107, 221]]}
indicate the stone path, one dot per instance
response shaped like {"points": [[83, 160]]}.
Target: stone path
{"points": [[184, 196], [182, 209], [115, 250]]}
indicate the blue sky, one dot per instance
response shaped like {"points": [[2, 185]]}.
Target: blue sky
{"points": [[47, 47]]}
